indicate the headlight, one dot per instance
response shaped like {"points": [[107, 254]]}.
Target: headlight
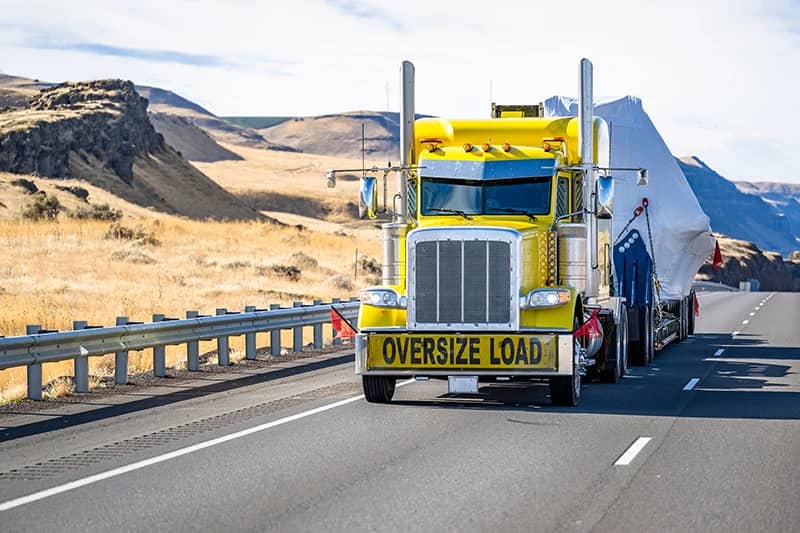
{"points": [[546, 298], [383, 298]]}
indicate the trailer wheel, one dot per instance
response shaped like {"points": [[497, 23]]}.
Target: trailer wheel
{"points": [[641, 350], [378, 389], [690, 322], [566, 390], [617, 354]]}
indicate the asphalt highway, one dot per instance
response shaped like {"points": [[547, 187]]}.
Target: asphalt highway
{"points": [[705, 439]]}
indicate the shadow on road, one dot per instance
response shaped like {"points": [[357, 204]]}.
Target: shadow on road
{"points": [[149, 402], [749, 382]]}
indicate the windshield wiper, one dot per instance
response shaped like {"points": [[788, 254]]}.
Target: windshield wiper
{"points": [[451, 211], [514, 211]]}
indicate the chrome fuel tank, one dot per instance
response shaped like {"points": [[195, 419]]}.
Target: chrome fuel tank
{"points": [[572, 256]]}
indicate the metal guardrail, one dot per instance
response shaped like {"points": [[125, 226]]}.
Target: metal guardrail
{"points": [[39, 346]]}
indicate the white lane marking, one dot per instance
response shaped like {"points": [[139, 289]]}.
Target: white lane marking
{"points": [[691, 384], [30, 498], [752, 314], [719, 352], [735, 333], [630, 454], [745, 322]]}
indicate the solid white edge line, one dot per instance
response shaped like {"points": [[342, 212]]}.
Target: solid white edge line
{"points": [[691, 384], [633, 450], [719, 352], [16, 502]]}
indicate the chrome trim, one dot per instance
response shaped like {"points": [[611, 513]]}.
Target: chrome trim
{"points": [[458, 233], [361, 354], [545, 372], [565, 356]]}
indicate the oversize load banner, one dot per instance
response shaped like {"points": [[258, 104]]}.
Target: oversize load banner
{"points": [[439, 352]]}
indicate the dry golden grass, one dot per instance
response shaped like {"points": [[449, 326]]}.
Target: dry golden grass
{"points": [[55, 272]]}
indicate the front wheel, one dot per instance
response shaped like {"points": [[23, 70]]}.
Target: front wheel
{"points": [[378, 389]]}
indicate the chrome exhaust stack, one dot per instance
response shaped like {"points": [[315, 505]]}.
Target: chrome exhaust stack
{"points": [[586, 147], [407, 116]]}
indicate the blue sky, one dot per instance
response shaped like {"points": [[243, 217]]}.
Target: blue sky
{"points": [[719, 78]]}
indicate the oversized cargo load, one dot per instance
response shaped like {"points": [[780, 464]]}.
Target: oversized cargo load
{"points": [[681, 232]]}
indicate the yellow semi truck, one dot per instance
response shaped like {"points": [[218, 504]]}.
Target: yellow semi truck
{"points": [[497, 265]]}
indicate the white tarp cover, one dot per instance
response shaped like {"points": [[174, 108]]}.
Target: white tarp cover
{"points": [[681, 231]]}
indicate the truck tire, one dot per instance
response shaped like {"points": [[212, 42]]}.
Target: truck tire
{"points": [[617, 352], [378, 389], [640, 352], [566, 390]]}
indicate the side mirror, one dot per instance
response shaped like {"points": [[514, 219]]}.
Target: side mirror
{"points": [[368, 197], [605, 197], [331, 175]]}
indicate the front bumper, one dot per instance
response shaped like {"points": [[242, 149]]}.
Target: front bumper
{"points": [[405, 353]]}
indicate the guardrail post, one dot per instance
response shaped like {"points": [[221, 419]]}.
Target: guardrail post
{"points": [[34, 371], [81, 363], [223, 352], [275, 336], [250, 338], [121, 359], [159, 354], [336, 340], [297, 337], [317, 330], [192, 349]]}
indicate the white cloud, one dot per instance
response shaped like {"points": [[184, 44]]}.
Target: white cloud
{"points": [[717, 77]]}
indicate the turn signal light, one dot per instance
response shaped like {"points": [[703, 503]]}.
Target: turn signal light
{"points": [[467, 147], [431, 147], [546, 147]]}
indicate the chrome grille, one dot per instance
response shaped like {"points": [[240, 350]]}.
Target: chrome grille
{"points": [[462, 278]]}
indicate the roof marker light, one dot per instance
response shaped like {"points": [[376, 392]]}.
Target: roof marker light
{"points": [[506, 147], [487, 147], [467, 147], [546, 147]]}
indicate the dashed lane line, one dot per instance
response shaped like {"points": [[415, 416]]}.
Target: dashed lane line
{"points": [[691, 384], [633, 450], [719, 352]]}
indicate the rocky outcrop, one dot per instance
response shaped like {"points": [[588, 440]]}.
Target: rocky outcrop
{"points": [[744, 260], [106, 119]]}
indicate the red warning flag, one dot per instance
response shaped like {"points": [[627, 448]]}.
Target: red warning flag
{"points": [[591, 328], [341, 328], [717, 262]]}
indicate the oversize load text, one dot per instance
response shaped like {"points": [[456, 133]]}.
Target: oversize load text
{"points": [[420, 351]]}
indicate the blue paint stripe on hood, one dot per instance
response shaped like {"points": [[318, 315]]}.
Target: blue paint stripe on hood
{"points": [[486, 170]]}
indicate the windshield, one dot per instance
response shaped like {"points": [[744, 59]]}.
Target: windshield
{"points": [[529, 195]]}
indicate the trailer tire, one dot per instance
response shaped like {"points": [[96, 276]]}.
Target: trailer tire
{"points": [[640, 352], [690, 322], [378, 389], [566, 390], [617, 365]]}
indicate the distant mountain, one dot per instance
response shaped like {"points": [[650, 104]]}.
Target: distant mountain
{"points": [[186, 126], [340, 134], [100, 131], [784, 197], [736, 213]]}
